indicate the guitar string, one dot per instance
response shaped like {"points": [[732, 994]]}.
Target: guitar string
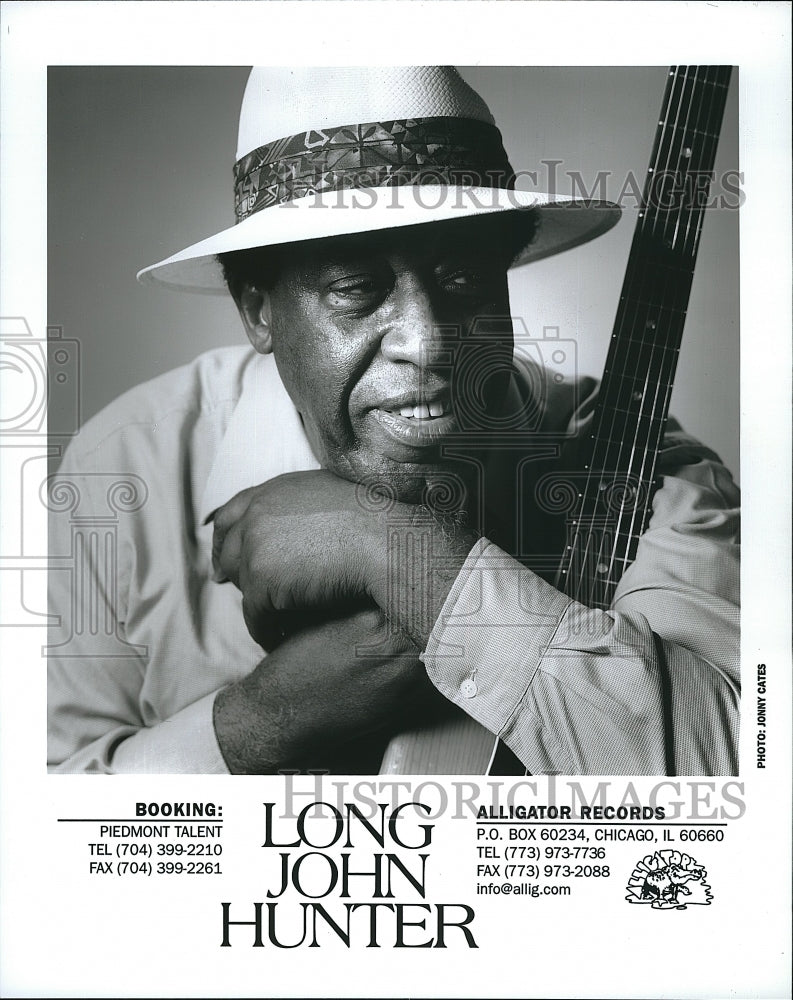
{"points": [[708, 118], [716, 101], [640, 276], [664, 385], [715, 112], [573, 558], [715, 115], [718, 104], [666, 328], [654, 332], [597, 462], [709, 112]]}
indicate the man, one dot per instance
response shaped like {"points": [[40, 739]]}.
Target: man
{"points": [[362, 499]]}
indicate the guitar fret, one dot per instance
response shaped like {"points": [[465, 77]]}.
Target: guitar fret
{"points": [[609, 440], [714, 83], [629, 379], [605, 454], [658, 371], [655, 304], [652, 418], [656, 265], [686, 130], [650, 347], [643, 384], [650, 304], [581, 550], [605, 578], [611, 415], [626, 444], [633, 384], [657, 359]]}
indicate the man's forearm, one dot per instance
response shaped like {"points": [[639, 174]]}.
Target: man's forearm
{"points": [[411, 566], [325, 685], [651, 687], [252, 724]]}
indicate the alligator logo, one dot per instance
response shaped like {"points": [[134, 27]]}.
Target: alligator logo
{"points": [[669, 880]]}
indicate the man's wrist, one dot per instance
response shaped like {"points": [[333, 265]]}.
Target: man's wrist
{"points": [[248, 739], [412, 564]]}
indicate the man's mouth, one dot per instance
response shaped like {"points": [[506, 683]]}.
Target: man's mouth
{"points": [[422, 411], [416, 421]]}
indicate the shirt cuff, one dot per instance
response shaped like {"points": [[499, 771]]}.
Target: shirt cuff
{"points": [[493, 630], [183, 744]]}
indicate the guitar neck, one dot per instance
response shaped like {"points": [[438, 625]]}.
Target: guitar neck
{"points": [[619, 460]]}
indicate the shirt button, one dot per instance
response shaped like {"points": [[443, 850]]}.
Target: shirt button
{"points": [[468, 688]]}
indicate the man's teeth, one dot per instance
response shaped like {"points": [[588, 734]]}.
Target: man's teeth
{"points": [[423, 411]]}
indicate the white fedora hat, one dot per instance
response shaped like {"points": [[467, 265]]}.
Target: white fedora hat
{"points": [[325, 151]]}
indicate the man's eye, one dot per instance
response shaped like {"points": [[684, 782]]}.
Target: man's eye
{"points": [[354, 289], [470, 280]]}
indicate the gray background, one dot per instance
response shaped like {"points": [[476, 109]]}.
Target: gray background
{"points": [[140, 165]]}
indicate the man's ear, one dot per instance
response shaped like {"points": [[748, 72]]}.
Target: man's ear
{"points": [[255, 312]]}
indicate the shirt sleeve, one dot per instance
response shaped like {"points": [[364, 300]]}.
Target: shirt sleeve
{"points": [[99, 719], [118, 742], [649, 687]]}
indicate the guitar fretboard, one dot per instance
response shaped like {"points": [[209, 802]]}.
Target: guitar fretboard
{"points": [[615, 493]]}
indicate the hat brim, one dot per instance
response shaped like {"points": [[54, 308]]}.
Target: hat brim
{"points": [[564, 223]]}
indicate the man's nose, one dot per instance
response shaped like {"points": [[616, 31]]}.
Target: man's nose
{"points": [[417, 331]]}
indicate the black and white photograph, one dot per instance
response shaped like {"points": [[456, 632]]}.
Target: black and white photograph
{"points": [[396, 494], [396, 520]]}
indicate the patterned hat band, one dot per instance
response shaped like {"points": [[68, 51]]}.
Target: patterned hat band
{"points": [[408, 151]]}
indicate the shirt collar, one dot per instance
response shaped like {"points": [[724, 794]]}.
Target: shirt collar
{"points": [[264, 439]]}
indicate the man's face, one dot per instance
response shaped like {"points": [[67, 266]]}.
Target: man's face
{"points": [[379, 341]]}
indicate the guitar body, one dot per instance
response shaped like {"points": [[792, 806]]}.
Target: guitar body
{"points": [[455, 744], [616, 479]]}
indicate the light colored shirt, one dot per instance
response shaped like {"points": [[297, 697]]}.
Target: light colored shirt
{"points": [[146, 639]]}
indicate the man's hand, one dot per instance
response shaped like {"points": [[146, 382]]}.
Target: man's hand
{"points": [[297, 541], [320, 689], [305, 541], [302, 547]]}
